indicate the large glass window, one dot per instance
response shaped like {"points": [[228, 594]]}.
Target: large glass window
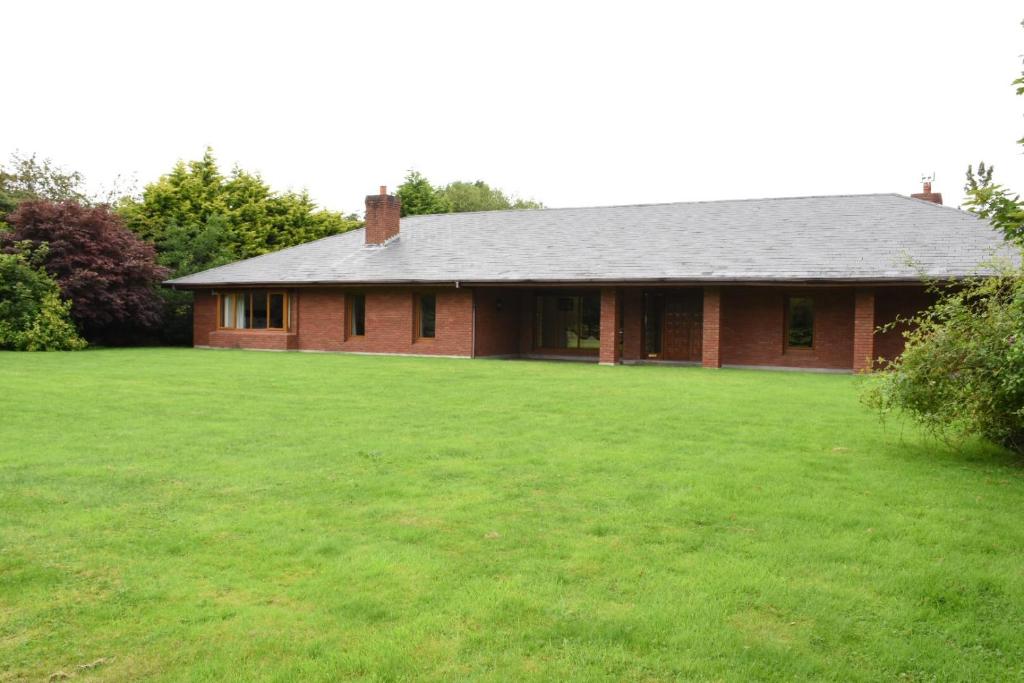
{"points": [[275, 304], [799, 322], [258, 309], [653, 305], [568, 321], [427, 315], [241, 309], [357, 314], [258, 318]]}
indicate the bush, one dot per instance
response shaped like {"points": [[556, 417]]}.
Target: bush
{"points": [[32, 315], [962, 372], [110, 274]]}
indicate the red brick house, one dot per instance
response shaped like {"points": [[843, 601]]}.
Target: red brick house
{"points": [[798, 282]]}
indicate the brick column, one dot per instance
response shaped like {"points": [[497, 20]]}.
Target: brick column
{"points": [[711, 341], [609, 352], [863, 330]]}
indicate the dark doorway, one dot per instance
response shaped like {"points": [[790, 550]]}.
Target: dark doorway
{"points": [[673, 324]]}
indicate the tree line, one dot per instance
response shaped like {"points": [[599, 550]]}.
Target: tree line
{"points": [[77, 268]]}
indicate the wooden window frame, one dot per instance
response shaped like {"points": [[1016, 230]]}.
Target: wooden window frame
{"points": [[786, 347], [285, 313], [417, 317], [350, 315]]}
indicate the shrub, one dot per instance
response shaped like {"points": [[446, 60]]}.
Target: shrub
{"points": [[108, 272], [32, 315], [962, 372]]}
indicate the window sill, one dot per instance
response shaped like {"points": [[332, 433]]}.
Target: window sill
{"points": [[257, 330]]}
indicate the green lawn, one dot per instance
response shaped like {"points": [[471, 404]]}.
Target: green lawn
{"points": [[205, 515]]}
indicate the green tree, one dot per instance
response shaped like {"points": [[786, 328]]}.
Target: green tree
{"points": [[961, 373], [479, 196], [199, 218], [32, 315], [252, 219], [993, 201], [25, 178], [420, 197]]}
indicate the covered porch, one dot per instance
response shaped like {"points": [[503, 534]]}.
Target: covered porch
{"points": [[824, 327]]}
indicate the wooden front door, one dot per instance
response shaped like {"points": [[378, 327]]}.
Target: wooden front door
{"points": [[676, 316]]}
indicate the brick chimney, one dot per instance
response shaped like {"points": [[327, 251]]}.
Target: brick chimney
{"points": [[383, 212], [927, 194]]}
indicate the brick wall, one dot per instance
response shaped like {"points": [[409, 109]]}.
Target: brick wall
{"points": [[272, 340], [610, 351], [893, 302], [204, 317], [711, 328], [864, 329], [318, 322], [753, 327]]}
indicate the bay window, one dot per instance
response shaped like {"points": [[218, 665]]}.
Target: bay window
{"points": [[254, 309]]}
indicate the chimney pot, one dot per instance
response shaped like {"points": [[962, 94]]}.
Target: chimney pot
{"points": [[384, 190], [927, 194]]}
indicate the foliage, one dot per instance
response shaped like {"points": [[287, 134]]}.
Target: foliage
{"points": [[106, 271], [233, 217], [479, 196], [962, 372], [32, 315], [198, 218], [185, 251], [420, 197], [27, 178], [529, 522], [993, 201]]}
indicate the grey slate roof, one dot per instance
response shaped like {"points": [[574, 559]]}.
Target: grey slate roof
{"points": [[880, 237]]}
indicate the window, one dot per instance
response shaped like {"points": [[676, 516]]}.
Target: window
{"points": [[799, 322], [258, 309], [426, 316], [568, 321], [357, 315], [653, 306]]}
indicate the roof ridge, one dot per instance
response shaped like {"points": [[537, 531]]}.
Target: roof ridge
{"points": [[645, 204]]}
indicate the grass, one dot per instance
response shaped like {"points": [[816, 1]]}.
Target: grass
{"points": [[180, 514]]}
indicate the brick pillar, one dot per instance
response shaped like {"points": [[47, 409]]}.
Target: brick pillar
{"points": [[609, 352], [863, 330], [711, 341]]}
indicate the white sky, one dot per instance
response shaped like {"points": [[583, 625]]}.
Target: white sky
{"points": [[573, 104]]}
